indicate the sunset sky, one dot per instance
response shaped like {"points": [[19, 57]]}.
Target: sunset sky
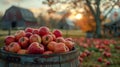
{"points": [[30, 4]]}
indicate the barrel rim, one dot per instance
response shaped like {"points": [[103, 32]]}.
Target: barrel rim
{"points": [[38, 55]]}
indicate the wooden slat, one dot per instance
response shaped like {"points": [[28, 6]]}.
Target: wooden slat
{"points": [[62, 60]]}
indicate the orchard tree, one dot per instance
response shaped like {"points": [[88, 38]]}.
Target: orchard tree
{"points": [[94, 7], [97, 7]]}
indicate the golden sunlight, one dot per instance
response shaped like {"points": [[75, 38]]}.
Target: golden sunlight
{"points": [[78, 16]]}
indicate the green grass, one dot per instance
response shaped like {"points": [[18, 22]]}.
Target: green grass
{"points": [[3, 34], [1, 41], [73, 33]]}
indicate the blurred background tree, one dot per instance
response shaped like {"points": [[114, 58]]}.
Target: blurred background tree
{"points": [[89, 14]]}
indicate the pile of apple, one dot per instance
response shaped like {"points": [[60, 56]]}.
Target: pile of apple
{"points": [[38, 41], [100, 50]]}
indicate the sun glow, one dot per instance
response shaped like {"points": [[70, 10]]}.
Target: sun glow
{"points": [[78, 16]]}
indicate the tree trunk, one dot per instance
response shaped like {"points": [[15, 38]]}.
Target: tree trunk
{"points": [[98, 27]]}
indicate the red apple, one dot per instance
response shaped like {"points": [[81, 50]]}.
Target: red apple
{"points": [[87, 52], [48, 52], [57, 33], [19, 34], [6, 48], [60, 48], [81, 39], [97, 46], [43, 31], [83, 55], [54, 38], [29, 29], [100, 59], [35, 31], [67, 49], [106, 42], [80, 59], [36, 48], [113, 41], [85, 45], [9, 39], [117, 47], [88, 41], [14, 47], [24, 42], [46, 39], [35, 38], [69, 44], [51, 45], [22, 51], [68, 39], [102, 46], [107, 54], [28, 34], [107, 49], [97, 41], [107, 63], [60, 39]]}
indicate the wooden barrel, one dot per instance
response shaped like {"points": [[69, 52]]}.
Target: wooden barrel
{"points": [[69, 59]]}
